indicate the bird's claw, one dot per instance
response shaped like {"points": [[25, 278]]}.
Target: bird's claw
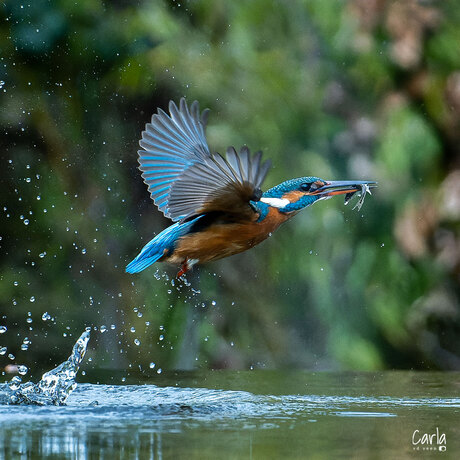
{"points": [[183, 270]]}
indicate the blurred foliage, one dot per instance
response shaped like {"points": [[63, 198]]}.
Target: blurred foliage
{"points": [[340, 90]]}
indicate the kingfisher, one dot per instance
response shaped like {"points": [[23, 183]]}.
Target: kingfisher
{"points": [[215, 202]]}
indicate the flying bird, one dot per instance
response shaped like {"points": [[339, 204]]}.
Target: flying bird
{"points": [[216, 202]]}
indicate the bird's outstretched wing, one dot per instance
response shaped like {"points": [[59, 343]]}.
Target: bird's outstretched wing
{"points": [[183, 177]]}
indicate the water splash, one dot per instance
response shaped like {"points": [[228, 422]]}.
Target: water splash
{"points": [[55, 385]]}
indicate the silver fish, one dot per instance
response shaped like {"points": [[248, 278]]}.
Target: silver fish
{"points": [[362, 195]]}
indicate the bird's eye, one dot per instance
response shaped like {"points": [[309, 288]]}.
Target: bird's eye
{"points": [[305, 187]]}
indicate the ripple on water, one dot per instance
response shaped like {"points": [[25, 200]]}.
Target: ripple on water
{"points": [[142, 405], [149, 405]]}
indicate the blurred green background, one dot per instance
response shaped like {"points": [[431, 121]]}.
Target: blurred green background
{"points": [[363, 89]]}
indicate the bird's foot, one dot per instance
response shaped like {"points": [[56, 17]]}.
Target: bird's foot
{"points": [[183, 270], [186, 266]]}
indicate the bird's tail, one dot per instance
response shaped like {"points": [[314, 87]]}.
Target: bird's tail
{"points": [[162, 244], [143, 261], [154, 250]]}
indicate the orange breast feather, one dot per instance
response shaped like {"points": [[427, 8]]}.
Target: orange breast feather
{"points": [[222, 240]]}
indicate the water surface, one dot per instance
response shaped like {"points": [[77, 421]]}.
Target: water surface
{"points": [[249, 414]]}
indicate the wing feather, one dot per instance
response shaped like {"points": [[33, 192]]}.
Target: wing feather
{"points": [[183, 177], [219, 185]]}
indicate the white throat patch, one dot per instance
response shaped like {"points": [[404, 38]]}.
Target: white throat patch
{"points": [[276, 202]]}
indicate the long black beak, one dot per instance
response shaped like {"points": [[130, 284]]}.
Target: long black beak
{"points": [[339, 187]]}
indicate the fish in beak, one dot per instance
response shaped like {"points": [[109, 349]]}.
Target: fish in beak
{"points": [[347, 187]]}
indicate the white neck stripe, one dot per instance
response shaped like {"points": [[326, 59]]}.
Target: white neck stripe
{"points": [[276, 202]]}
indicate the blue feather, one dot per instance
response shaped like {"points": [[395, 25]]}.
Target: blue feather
{"points": [[176, 171], [161, 196], [151, 188], [152, 178], [155, 249], [170, 159]]}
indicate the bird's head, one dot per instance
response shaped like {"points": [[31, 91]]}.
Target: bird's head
{"points": [[296, 194]]}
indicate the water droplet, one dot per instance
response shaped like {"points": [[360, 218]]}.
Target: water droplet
{"points": [[103, 328], [152, 365], [46, 316], [32, 299], [133, 329], [26, 221], [159, 371], [137, 342], [22, 370], [42, 254], [161, 337], [382, 245], [14, 383], [3, 329]]}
